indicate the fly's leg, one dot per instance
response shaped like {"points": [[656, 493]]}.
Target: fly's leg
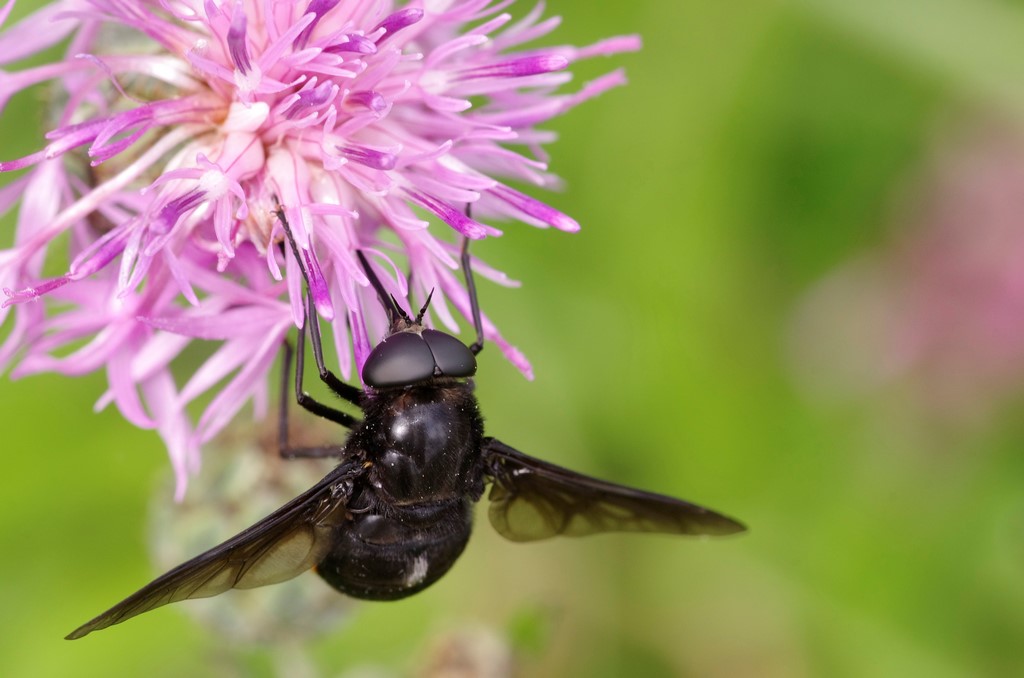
{"points": [[347, 391], [284, 447]]}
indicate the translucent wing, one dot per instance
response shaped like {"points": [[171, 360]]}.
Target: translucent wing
{"points": [[283, 545], [532, 499]]}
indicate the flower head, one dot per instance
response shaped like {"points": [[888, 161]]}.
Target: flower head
{"points": [[937, 314], [182, 125]]}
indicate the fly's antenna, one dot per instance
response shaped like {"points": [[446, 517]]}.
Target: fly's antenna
{"points": [[388, 301], [419, 316]]}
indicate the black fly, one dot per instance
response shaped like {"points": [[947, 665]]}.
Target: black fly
{"points": [[396, 513]]}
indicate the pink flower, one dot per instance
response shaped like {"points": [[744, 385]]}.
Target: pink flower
{"points": [[937, 314], [182, 125]]}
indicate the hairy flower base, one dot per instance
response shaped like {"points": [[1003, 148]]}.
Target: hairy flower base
{"points": [[182, 126]]}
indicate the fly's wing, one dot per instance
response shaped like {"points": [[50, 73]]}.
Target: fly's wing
{"points": [[283, 545], [532, 499]]}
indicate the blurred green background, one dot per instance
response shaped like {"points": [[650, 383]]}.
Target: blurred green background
{"points": [[759, 147]]}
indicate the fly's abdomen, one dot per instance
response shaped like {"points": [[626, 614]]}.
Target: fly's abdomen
{"points": [[390, 557]]}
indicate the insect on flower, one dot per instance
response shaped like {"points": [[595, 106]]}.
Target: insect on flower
{"points": [[396, 513], [178, 125]]}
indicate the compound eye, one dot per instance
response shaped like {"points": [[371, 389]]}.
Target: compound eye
{"points": [[453, 358], [401, 359]]}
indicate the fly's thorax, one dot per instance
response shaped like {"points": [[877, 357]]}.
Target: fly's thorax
{"points": [[423, 442]]}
